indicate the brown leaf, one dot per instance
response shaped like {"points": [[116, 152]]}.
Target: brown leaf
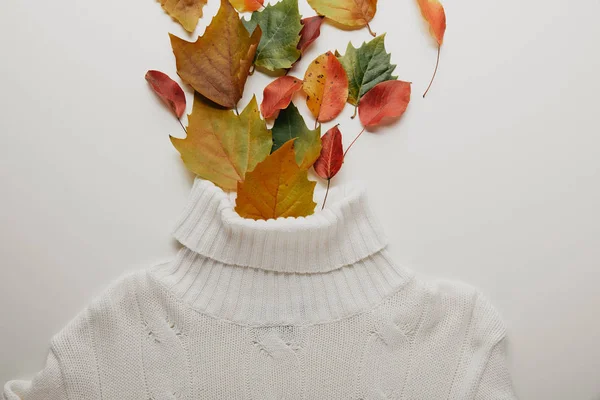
{"points": [[186, 12], [331, 159], [386, 100], [168, 90], [278, 95]]}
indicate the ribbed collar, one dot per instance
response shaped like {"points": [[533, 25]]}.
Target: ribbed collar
{"points": [[341, 234]]}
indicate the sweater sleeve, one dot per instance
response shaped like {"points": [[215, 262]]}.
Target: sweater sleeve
{"points": [[47, 384], [495, 383]]}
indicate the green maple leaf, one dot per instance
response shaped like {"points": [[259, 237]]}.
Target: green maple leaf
{"points": [[366, 67], [280, 24], [289, 125]]}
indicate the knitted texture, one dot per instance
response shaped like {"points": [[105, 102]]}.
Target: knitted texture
{"points": [[306, 308]]}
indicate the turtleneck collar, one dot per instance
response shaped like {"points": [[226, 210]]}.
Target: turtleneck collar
{"points": [[341, 234]]}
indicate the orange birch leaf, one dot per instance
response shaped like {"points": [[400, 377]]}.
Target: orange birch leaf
{"points": [[386, 100], [326, 87], [277, 187], [186, 12], [218, 63], [278, 95], [168, 90], [350, 13], [311, 30], [433, 12], [331, 159], [247, 5]]}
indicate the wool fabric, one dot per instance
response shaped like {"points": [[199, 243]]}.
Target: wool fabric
{"points": [[286, 309]]}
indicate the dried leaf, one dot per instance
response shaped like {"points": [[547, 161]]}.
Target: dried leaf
{"points": [[433, 12], [186, 12], [311, 30], [221, 146], [290, 125], [331, 158], [277, 187], [386, 100], [280, 25], [350, 13], [218, 63], [326, 87], [278, 95], [366, 67], [168, 90], [247, 5]]}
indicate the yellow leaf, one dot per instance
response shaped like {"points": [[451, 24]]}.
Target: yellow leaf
{"points": [[277, 187], [326, 87], [186, 12], [218, 63], [351, 13], [221, 146], [247, 5]]}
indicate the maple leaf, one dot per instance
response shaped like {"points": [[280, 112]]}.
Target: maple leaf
{"points": [[350, 13], [278, 95], [366, 67], [168, 90], [311, 30], [247, 5], [218, 63], [331, 158], [277, 187], [326, 87], [221, 146], [280, 25], [434, 14], [186, 12], [290, 125], [386, 100]]}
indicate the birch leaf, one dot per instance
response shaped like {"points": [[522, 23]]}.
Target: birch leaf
{"points": [[186, 12]]}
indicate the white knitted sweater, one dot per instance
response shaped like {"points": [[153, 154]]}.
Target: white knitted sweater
{"points": [[307, 308]]}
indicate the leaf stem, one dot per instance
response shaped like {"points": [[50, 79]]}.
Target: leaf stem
{"points": [[355, 111], [434, 71], [252, 69], [326, 193], [236, 111], [370, 30], [354, 141], [182, 127], [316, 123]]}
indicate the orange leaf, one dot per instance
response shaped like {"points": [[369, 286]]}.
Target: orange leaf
{"points": [[434, 14], [326, 87], [278, 95], [277, 187], [218, 63], [332, 154], [350, 13], [247, 5], [386, 100], [168, 90], [311, 30], [186, 12]]}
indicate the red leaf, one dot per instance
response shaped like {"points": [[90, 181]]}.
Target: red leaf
{"points": [[332, 154], [168, 90], [386, 100], [278, 95], [311, 30]]}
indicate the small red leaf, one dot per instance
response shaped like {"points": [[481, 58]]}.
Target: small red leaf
{"points": [[332, 154], [311, 30], [278, 95], [386, 100], [168, 90]]}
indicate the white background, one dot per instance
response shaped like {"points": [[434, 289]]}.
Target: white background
{"points": [[493, 179]]}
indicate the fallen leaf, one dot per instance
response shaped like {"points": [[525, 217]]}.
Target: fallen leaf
{"points": [[277, 187], [221, 146], [311, 30], [278, 95], [434, 14], [186, 12], [350, 13], [366, 67], [168, 90], [331, 158], [247, 5], [290, 125], [386, 100], [326, 87], [218, 63], [280, 25]]}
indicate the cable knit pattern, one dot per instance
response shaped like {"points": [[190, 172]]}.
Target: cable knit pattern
{"points": [[287, 309]]}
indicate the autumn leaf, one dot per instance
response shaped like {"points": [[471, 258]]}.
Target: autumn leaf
{"points": [[290, 125], [311, 30], [247, 5], [221, 146], [350, 13], [278, 95], [434, 14], [386, 100], [280, 25], [168, 90], [186, 12], [277, 187], [218, 63], [366, 67], [326, 87], [331, 158]]}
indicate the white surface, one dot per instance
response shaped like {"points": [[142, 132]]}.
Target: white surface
{"points": [[492, 179]]}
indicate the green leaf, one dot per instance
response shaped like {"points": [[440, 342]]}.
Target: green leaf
{"points": [[280, 24], [290, 125], [366, 67]]}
